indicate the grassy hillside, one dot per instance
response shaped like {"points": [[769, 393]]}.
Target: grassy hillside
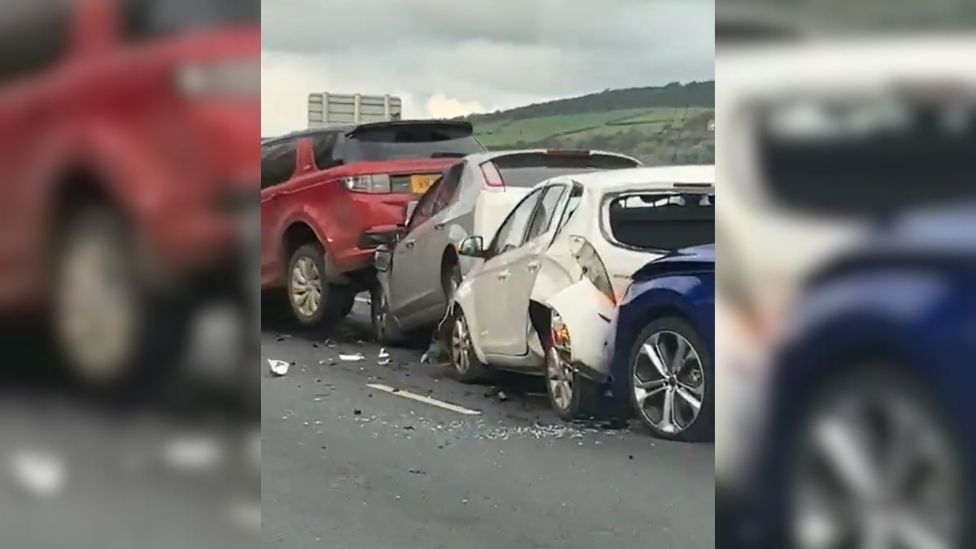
{"points": [[658, 125]]}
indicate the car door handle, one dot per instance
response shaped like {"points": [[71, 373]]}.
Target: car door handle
{"points": [[502, 275], [533, 266], [439, 226], [409, 243]]}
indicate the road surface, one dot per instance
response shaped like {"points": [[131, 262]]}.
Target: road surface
{"points": [[362, 455]]}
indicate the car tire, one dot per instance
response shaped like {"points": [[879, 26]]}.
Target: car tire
{"points": [[465, 365], [884, 413], [650, 387], [571, 395], [112, 330], [312, 299], [385, 330]]}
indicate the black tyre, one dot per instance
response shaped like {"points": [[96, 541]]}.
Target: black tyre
{"points": [[465, 364], [112, 329], [313, 300], [672, 392], [571, 395], [384, 327]]}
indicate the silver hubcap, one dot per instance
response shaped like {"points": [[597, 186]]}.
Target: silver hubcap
{"points": [[461, 345], [875, 473], [97, 319], [306, 286], [669, 382], [560, 379]]}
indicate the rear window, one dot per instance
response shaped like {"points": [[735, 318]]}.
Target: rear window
{"points": [[859, 158], [662, 221], [387, 142], [527, 170], [142, 19]]}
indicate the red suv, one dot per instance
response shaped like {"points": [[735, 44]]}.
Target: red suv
{"points": [[127, 130], [329, 197]]}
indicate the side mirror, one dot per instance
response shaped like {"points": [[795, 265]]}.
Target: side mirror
{"points": [[382, 258], [408, 211], [473, 246]]}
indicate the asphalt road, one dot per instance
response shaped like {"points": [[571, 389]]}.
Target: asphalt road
{"points": [[350, 466]]}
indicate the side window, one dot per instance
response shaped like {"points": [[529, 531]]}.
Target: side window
{"points": [[512, 231], [449, 187], [425, 208], [33, 36], [323, 147], [277, 162], [575, 197], [542, 218]]}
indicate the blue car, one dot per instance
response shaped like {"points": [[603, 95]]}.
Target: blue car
{"points": [[872, 433], [661, 356]]}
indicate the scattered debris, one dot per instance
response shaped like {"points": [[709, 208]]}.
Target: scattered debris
{"points": [[358, 357], [193, 453], [282, 337], [39, 474], [417, 472], [500, 396], [278, 367], [383, 358], [357, 412]]}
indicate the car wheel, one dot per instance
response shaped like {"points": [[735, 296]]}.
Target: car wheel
{"points": [[670, 381], [110, 329], [872, 458], [571, 395], [384, 328], [464, 361], [313, 300]]}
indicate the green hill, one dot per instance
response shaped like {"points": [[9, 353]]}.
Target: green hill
{"points": [[659, 125]]}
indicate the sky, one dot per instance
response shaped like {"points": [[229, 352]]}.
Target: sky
{"points": [[447, 58]]}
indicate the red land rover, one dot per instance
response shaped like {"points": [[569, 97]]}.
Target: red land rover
{"points": [[329, 197], [127, 157]]}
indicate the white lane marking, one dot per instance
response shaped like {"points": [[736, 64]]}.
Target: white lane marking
{"points": [[424, 399]]}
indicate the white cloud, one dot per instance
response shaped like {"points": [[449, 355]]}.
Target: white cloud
{"points": [[442, 106]]}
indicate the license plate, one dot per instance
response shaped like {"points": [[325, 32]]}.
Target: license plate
{"points": [[420, 183]]}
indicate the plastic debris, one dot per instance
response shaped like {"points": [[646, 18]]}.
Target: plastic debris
{"points": [[278, 367], [193, 454], [352, 358], [38, 474]]}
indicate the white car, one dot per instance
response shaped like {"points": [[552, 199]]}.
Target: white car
{"points": [[542, 294]]}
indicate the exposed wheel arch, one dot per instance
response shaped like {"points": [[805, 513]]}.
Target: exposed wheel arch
{"points": [[295, 236], [449, 260]]}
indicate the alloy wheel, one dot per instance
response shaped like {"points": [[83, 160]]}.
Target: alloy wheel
{"points": [[461, 345], [669, 382], [306, 286], [875, 472], [559, 375]]}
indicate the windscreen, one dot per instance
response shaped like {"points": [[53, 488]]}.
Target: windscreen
{"points": [[526, 170], [859, 158], [396, 141], [662, 221]]}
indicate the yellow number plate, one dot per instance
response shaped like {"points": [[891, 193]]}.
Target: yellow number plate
{"points": [[420, 183]]}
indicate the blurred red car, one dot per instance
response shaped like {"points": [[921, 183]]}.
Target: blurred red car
{"points": [[127, 130], [330, 196]]}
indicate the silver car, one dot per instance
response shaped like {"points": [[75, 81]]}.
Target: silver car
{"points": [[417, 277]]}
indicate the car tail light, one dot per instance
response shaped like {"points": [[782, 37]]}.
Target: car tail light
{"points": [[374, 184], [591, 264], [228, 78], [492, 177]]}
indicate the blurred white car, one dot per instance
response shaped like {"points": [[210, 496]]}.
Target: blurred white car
{"points": [[542, 294], [817, 142]]}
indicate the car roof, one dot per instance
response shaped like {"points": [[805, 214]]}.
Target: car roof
{"points": [[657, 176], [482, 157], [463, 124]]}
